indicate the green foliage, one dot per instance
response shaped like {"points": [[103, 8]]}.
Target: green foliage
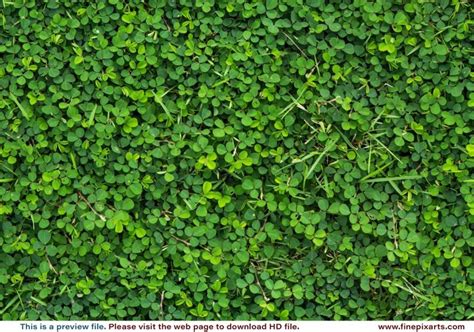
{"points": [[278, 159]]}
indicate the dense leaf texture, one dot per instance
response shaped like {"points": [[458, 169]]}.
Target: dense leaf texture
{"points": [[236, 159]]}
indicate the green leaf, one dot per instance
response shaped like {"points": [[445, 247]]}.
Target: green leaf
{"points": [[44, 236], [140, 232], [201, 211], [470, 150], [218, 133], [365, 283], [279, 284], [247, 184], [323, 204], [381, 229], [206, 187], [243, 256], [344, 210], [136, 188], [128, 204], [440, 49], [271, 4], [454, 263]]}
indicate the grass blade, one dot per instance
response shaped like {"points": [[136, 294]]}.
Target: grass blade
{"points": [[39, 301], [316, 162], [9, 304], [385, 147], [25, 113], [92, 116], [395, 186], [377, 171], [395, 178]]}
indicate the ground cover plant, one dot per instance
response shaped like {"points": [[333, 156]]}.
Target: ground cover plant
{"points": [[297, 159]]}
